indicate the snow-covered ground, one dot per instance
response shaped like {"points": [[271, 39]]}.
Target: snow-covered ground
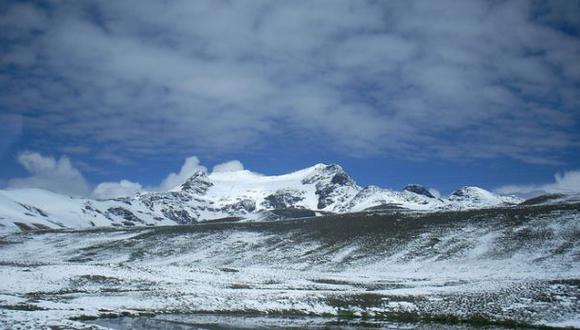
{"points": [[495, 266]]}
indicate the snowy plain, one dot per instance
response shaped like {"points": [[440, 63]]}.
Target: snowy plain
{"points": [[500, 267]]}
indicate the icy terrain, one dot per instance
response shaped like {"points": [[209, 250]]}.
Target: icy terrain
{"points": [[239, 195], [497, 267]]}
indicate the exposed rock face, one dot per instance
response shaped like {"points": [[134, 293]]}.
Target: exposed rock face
{"points": [[33, 209], [333, 186], [419, 190], [179, 216], [464, 192], [283, 199], [198, 183], [246, 205], [123, 213]]}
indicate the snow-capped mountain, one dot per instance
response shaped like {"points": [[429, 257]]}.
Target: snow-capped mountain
{"points": [[474, 197], [316, 190]]}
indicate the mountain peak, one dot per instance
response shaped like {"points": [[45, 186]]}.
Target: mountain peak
{"points": [[197, 183], [419, 190], [326, 167], [477, 197], [470, 191], [241, 193], [331, 167], [330, 172]]}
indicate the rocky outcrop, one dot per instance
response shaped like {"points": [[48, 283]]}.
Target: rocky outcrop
{"points": [[333, 186], [283, 199], [419, 190], [198, 183]]}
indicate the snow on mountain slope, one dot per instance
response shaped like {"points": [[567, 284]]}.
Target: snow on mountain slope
{"points": [[29, 209], [373, 197], [241, 194], [305, 188], [39, 208], [475, 197], [320, 187]]}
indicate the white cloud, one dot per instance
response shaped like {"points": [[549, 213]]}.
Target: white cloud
{"points": [[189, 167], [435, 192], [123, 188], [231, 166], [567, 182], [60, 176], [49, 173], [410, 78]]}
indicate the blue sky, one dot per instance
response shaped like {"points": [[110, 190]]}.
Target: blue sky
{"points": [[440, 93]]}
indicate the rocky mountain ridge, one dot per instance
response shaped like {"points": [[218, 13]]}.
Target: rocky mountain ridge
{"points": [[240, 195]]}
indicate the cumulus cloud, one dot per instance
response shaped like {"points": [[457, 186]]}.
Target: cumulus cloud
{"points": [[46, 172], [59, 175], [231, 166], [414, 79], [122, 188], [435, 192], [567, 182], [189, 167]]}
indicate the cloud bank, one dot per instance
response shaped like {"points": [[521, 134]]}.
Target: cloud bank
{"points": [[567, 182], [189, 167], [122, 188], [60, 176], [52, 174], [413, 79], [231, 166]]}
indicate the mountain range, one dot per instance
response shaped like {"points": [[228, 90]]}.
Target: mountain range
{"points": [[233, 196]]}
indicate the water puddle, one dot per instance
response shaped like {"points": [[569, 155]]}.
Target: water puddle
{"points": [[217, 321]]}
